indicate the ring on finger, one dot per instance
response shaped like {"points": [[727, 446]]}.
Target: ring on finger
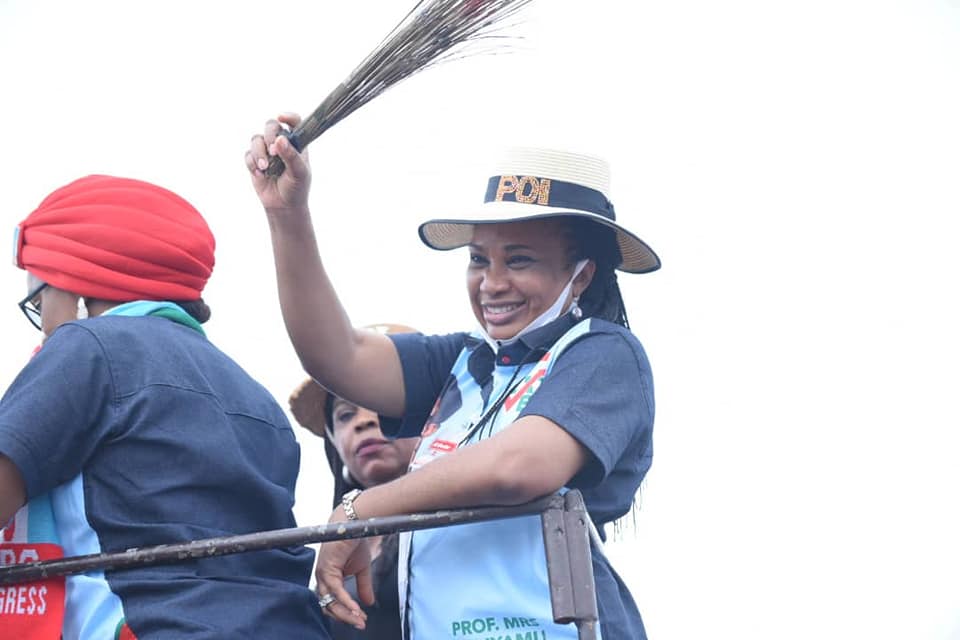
{"points": [[326, 600]]}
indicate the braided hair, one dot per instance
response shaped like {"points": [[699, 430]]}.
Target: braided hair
{"points": [[602, 298], [589, 240]]}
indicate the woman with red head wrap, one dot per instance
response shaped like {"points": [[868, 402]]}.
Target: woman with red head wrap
{"points": [[139, 431], [116, 240]]}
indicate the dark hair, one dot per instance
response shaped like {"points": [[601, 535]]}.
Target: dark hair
{"points": [[597, 242], [197, 309]]}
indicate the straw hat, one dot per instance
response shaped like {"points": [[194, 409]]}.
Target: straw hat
{"points": [[531, 183]]}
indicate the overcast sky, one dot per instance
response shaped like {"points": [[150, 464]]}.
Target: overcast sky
{"points": [[795, 165]]}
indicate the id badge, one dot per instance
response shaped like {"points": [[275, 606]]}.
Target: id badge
{"points": [[439, 443]]}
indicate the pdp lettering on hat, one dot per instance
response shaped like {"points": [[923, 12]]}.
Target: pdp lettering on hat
{"points": [[525, 189]]}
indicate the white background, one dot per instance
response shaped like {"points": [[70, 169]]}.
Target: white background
{"points": [[795, 165]]}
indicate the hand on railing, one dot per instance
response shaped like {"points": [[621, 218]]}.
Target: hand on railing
{"points": [[336, 560]]}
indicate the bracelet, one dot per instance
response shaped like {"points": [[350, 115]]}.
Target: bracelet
{"points": [[347, 503]]}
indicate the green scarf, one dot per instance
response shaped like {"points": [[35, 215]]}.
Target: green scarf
{"points": [[167, 310]]}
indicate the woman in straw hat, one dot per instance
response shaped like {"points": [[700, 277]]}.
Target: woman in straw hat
{"points": [[360, 457], [138, 431], [551, 391]]}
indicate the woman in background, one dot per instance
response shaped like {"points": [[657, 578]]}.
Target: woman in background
{"points": [[360, 456]]}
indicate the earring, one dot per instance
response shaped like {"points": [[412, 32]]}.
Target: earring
{"points": [[575, 308], [345, 474]]}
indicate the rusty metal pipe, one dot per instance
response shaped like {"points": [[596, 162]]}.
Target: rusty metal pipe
{"points": [[183, 552]]}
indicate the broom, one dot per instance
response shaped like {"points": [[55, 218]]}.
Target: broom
{"points": [[433, 32]]}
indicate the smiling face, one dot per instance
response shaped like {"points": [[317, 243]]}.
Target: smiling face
{"points": [[371, 458], [517, 271]]}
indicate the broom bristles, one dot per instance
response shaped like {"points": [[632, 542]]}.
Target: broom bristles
{"points": [[433, 32]]}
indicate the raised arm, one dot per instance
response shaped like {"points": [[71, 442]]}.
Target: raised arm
{"points": [[360, 365]]}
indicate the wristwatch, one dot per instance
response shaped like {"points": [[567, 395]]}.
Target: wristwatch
{"points": [[347, 503]]}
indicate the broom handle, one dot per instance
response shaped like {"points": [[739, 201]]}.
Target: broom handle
{"points": [[316, 123]]}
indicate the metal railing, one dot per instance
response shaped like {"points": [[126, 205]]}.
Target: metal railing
{"points": [[566, 536]]}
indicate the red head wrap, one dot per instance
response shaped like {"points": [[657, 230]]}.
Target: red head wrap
{"points": [[117, 239]]}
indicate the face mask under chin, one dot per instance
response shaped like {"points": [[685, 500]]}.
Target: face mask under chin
{"points": [[544, 318]]}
